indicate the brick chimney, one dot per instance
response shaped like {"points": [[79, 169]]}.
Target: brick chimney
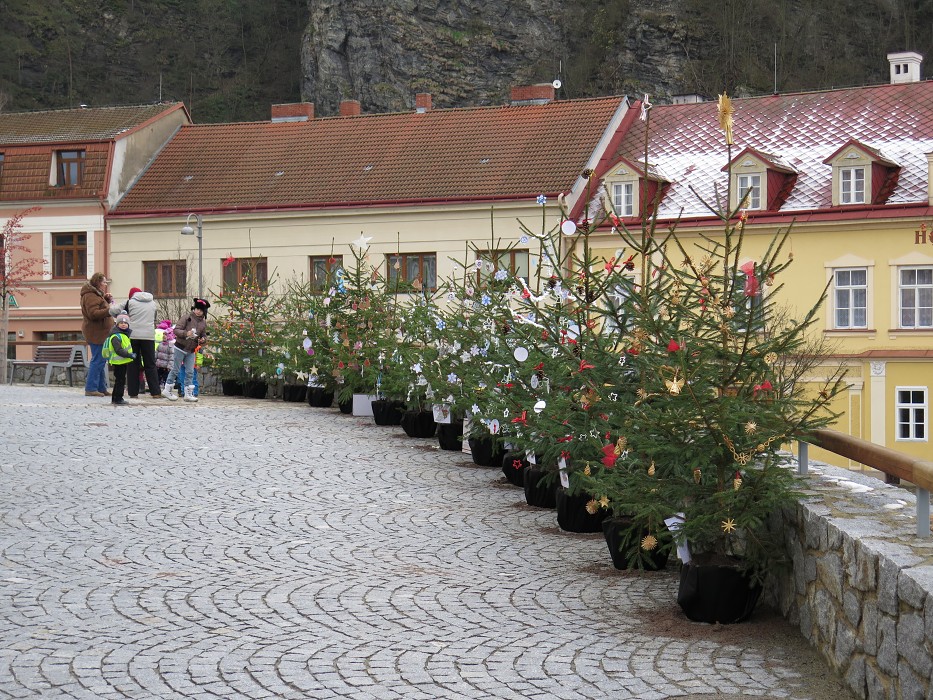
{"points": [[905, 67], [539, 94], [349, 108], [423, 102], [293, 112]]}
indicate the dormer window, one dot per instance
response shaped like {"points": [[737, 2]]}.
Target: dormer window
{"points": [[862, 175], [749, 191], [760, 181], [623, 198], [633, 192], [852, 185], [68, 169]]}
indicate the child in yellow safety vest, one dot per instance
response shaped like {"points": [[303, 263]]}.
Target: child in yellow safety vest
{"points": [[118, 351]]}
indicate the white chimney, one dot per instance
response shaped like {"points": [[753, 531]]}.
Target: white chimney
{"points": [[905, 67]]}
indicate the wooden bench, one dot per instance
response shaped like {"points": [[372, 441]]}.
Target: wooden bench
{"points": [[52, 356]]}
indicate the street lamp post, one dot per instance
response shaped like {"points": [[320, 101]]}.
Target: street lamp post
{"points": [[186, 230]]}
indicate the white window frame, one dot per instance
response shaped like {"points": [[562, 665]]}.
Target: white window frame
{"points": [[912, 422], [623, 198], [916, 288], [849, 307], [751, 183], [849, 192], [849, 261]]}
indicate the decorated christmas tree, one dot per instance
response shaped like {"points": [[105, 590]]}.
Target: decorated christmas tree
{"points": [[362, 321], [720, 370], [304, 332], [244, 339]]}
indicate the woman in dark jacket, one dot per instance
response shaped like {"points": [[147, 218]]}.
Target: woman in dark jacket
{"points": [[95, 308]]}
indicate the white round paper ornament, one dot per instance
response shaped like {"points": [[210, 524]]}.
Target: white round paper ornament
{"points": [[568, 228], [520, 354], [535, 381], [540, 406]]}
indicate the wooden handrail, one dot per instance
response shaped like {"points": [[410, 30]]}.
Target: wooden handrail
{"points": [[917, 471], [893, 463]]}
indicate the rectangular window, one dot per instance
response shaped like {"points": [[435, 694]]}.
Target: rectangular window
{"points": [[623, 198], [916, 297], [407, 268], [246, 271], [11, 345], [616, 315], [514, 261], [749, 191], [323, 268], [60, 337], [69, 168], [852, 185], [911, 410], [69, 255], [2, 157], [166, 278], [851, 297]]}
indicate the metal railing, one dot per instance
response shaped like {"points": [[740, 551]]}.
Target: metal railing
{"points": [[893, 463]]}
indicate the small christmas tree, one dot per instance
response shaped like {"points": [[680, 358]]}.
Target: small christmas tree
{"points": [[243, 341], [720, 370], [362, 320], [304, 331]]}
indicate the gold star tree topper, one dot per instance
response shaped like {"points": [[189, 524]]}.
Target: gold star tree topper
{"points": [[725, 116]]}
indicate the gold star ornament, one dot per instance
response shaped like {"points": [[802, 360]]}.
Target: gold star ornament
{"points": [[728, 525]]}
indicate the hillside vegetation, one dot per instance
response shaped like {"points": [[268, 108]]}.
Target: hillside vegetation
{"points": [[230, 60]]}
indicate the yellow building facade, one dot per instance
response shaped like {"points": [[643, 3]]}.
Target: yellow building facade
{"points": [[852, 183]]}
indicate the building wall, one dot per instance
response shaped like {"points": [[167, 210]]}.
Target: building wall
{"points": [[54, 305], [879, 358], [133, 153], [287, 240]]}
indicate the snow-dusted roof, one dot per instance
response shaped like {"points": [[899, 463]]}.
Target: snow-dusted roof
{"points": [[798, 131]]}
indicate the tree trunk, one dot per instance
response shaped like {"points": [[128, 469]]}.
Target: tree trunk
{"points": [[4, 335]]}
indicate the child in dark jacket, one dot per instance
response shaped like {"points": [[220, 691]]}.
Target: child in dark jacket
{"points": [[118, 351]]}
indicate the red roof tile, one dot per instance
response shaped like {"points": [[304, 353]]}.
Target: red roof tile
{"points": [[456, 155], [801, 129], [75, 125], [26, 172]]}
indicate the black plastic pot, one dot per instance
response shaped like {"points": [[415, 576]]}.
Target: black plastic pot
{"points": [[572, 515], [537, 492], [318, 397], [716, 593], [514, 465], [418, 424], [346, 407], [231, 387], [387, 412], [486, 451], [294, 392], [255, 390], [449, 437], [615, 531]]}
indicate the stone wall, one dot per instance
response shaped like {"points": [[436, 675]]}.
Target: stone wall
{"points": [[861, 586], [35, 374]]}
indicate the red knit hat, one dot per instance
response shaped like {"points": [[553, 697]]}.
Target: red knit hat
{"points": [[132, 292]]}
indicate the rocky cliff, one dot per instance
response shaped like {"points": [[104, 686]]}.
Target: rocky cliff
{"points": [[469, 52]]}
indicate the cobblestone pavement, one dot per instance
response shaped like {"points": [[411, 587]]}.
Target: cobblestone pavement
{"points": [[258, 549]]}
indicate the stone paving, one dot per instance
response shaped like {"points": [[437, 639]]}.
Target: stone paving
{"points": [[259, 549]]}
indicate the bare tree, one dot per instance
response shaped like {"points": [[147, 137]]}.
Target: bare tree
{"points": [[17, 272], [174, 308]]}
